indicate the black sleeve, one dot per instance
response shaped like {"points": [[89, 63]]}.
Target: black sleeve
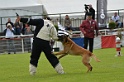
{"points": [[4, 32], [34, 22]]}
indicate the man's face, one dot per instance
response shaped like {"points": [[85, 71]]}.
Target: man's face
{"points": [[89, 17], [115, 14]]}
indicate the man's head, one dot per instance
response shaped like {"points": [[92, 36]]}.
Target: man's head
{"points": [[90, 6], [89, 16], [47, 18], [9, 20], [115, 14], [66, 17]]}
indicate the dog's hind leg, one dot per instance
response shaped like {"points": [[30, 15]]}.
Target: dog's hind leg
{"points": [[86, 62]]}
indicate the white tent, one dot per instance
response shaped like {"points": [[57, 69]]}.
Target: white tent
{"points": [[23, 7], [9, 8]]}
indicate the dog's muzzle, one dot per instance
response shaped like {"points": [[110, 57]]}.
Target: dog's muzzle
{"points": [[60, 38]]}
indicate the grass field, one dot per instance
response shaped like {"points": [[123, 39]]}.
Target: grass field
{"points": [[14, 68]]}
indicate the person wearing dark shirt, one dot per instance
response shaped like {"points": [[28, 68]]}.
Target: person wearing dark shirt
{"points": [[91, 9], [9, 21]]}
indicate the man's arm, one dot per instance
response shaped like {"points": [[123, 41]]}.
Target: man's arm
{"points": [[97, 29], [54, 33], [29, 21], [82, 28], [34, 22]]}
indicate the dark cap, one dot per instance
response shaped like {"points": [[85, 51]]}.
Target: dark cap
{"points": [[48, 18], [89, 14]]}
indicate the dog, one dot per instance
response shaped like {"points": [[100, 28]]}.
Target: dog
{"points": [[72, 48]]}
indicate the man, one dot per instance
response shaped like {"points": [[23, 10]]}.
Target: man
{"points": [[67, 23], [9, 21], [89, 8], [9, 35], [44, 31], [116, 19], [87, 28], [92, 11], [18, 27]]}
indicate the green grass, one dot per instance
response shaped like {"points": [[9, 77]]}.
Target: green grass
{"points": [[14, 68]]}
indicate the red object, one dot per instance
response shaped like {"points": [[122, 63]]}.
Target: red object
{"points": [[118, 46], [88, 28], [108, 41]]}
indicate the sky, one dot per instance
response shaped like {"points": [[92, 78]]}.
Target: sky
{"points": [[61, 6]]}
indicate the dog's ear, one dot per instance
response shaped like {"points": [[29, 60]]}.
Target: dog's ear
{"points": [[65, 38]]}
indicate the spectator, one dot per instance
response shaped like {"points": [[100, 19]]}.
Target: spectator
{"points": [[89, 8], [44, 31], [18, 27], [67, 23], [116, 19], [9, 21], [9, 35], [27, 40], [27, 29], [87, 28]]}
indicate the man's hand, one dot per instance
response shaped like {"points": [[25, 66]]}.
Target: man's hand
{"points": [[97, 33], [18, 17], [10, 28], [84, 32]]}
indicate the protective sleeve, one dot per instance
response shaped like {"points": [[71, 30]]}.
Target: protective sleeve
{"points": [[34, 22]]}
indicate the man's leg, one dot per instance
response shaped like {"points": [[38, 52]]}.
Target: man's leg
{"points": [[8, 46], [85, 42], [91, 41], [13, 46], [52, 58], [36, 51]]}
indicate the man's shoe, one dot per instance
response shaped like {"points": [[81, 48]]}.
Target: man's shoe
{"points": [[59, 69], [32, 69]]}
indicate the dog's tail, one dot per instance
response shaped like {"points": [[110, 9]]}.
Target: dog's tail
{"points": [[94, 57]]}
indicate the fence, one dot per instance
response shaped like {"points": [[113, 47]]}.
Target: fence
{"points": [[22, 43]]}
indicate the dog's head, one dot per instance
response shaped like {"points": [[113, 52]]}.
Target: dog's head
{"points": [[63, 38]]}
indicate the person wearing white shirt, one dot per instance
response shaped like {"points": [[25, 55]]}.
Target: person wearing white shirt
{"points": [[9, 35], [43, 33], [116, 19]]}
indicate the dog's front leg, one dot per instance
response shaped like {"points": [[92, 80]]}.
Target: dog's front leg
{"points": [[62, 56], [60, 53]]}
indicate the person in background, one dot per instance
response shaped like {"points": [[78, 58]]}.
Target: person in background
{"points": [[27, 29], [92, 10], [9, 35], [89, 8], [27, 40], [9, 21], [67, 23], [88, 27], [116, 19], [18, 27], [44, 31]]}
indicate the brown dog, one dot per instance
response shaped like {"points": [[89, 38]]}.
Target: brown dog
{"points": [[73, 49]]}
